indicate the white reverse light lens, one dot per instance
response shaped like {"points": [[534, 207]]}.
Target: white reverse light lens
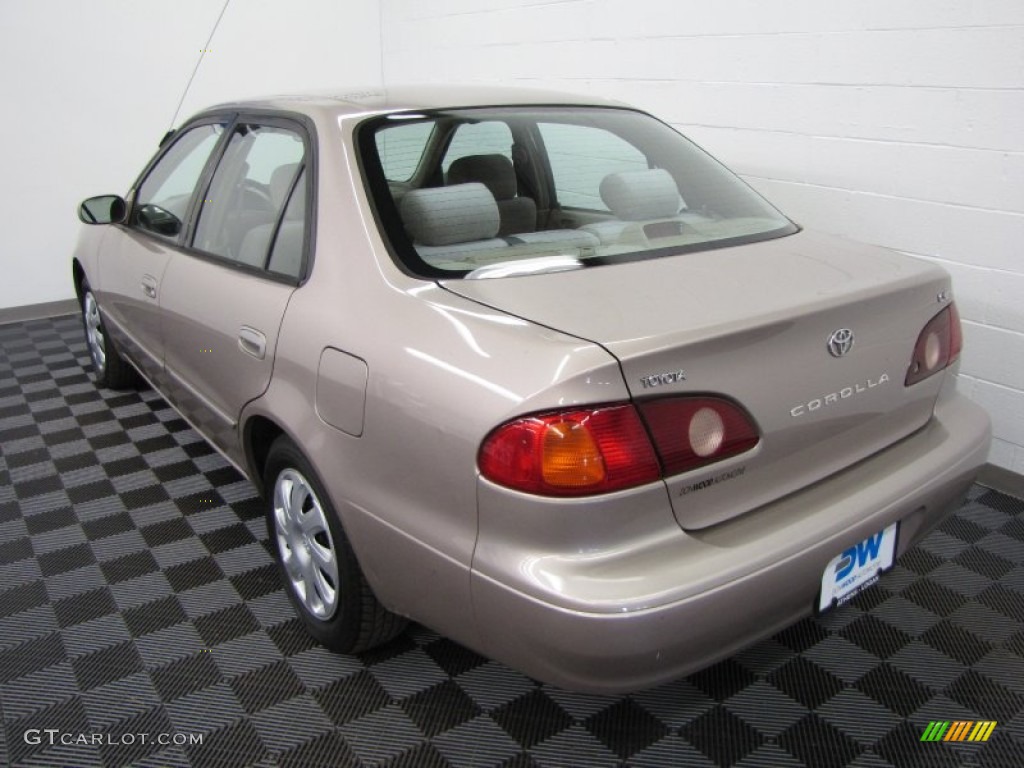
{"points": [[932, 351], [707, 431]]}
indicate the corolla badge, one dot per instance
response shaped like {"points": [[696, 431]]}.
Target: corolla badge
{"points": [[840, 342], [835, 397]]}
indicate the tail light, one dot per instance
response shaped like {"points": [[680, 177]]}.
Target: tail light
{"points": [[609, 448], [693, 431], [571, 453], [937, 347]]}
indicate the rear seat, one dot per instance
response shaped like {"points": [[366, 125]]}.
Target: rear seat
{"points": [[445, 222], [459, 223], [634, 198]]}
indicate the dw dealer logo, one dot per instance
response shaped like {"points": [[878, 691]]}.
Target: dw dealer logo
{"points": [[960, 730]]}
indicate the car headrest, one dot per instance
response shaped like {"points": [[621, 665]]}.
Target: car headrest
{"points": [[281, 182], [493, 171], [449, 215], [640, 195]]}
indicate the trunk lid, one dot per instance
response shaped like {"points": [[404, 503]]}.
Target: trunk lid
{"points": [[753, 323]]}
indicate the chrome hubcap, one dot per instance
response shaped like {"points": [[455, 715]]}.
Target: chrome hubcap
{"points": [[305, 544], [94, 332]]}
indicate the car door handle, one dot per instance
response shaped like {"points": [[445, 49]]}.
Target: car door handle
{"points": [[252, 342], [149, 286]]}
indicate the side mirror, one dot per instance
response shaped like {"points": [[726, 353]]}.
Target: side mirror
{"points": [[103, 209]]}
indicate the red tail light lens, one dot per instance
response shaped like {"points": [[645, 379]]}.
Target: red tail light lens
{"points": [[571, 453], [587, 451], [937, 347], [690, 432]]}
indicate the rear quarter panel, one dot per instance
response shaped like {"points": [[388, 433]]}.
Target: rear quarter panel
{"points": [[441, 373]]}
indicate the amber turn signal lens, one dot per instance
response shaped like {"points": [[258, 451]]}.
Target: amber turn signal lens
{"points": [[570, 457]]}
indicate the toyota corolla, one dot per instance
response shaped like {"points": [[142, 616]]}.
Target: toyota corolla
{"points": [[533, 370]]}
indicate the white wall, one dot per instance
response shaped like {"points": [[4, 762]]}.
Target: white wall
{"points": [[89, 89], [897, 123]]}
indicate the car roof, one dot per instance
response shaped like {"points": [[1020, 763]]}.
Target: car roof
{"points": [[361, 102]]}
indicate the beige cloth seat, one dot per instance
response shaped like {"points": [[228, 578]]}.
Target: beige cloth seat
{"points": [[634, 198], [444, 222], [457, 226], [496, 172], [287, 251]]}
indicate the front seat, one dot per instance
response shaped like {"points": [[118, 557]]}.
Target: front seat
{"points": [[287, 254], [496, 172]]}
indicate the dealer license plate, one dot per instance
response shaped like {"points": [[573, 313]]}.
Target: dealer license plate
{"points": [[857, 568]]}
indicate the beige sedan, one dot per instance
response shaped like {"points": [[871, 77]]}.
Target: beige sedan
{"points": [[533, 370]]}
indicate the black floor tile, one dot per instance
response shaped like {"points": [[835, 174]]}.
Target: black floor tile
{"points": [[440, 708], [129, 567], [194, 573], [84, 607], [154, 616], [722, 736], [532, 718]]}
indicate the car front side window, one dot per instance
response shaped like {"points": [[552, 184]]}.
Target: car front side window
{"points": [[253, 183], [162, 200]]}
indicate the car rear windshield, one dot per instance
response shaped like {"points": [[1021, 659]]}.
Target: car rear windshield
{"points": [[496, 192]]}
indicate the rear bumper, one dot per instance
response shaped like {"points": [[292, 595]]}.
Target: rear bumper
{"points": [[672, 602]]}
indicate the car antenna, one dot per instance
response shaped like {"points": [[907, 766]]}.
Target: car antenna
{"points": [[202, 53]]}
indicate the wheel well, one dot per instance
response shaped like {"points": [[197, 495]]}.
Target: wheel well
{"points": [[78, 275], [260, 434]]}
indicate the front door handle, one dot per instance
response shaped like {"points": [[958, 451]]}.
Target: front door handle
{"points": [[149, 286], [252, 342]]}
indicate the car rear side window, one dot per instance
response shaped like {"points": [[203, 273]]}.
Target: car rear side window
{"points": [[401, 149], [250, 189], [492, 137], [162, 200]]}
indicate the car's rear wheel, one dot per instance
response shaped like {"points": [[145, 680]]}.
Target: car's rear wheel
{"points": [[110, 369], [318, 566]]}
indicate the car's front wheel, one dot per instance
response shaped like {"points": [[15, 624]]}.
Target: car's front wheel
{"points": [[320, 571], [111, 370]]}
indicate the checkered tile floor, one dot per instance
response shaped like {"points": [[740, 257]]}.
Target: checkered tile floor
{"points": [[138, 603]]}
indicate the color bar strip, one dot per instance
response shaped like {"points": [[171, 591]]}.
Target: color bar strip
{"points": [[982, 730], [935, 730], [958, 730]]}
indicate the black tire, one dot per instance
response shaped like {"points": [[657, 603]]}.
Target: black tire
{"points": [[109, 368], [356, 621]]}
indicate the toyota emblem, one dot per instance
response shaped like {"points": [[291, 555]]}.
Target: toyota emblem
{"points": [[840, 342]]}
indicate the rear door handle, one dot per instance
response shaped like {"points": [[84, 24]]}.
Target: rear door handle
{"points": [[149, 286], [252, 342]]}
